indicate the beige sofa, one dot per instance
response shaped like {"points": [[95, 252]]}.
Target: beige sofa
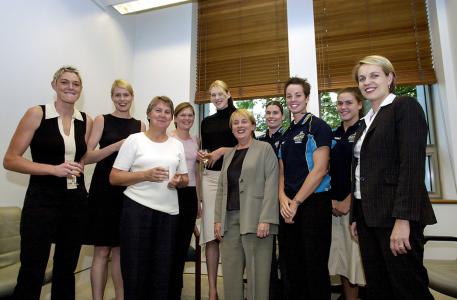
{"points": [[10, 240]]}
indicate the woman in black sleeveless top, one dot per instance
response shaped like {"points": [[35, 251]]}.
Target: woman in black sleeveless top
{"points": [[105, 200], [56, 198]]}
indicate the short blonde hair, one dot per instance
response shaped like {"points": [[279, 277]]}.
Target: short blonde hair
{"points": [[63, 69], [242, 113], [123, 84], [156, 100], [376, 60]]}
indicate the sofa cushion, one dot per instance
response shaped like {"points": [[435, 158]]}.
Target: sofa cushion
{"points": [[10, 239]]}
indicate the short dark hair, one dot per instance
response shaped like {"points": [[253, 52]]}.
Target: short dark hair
{"points": [[300, 81], [277, 103]]}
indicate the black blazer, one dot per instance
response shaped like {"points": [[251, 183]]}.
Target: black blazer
{"points": [[392, 168]]}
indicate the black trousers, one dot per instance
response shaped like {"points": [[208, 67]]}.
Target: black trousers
{"points": [[392, 277], [304, 250], [147, 245], [188, 208], [50, 216]]}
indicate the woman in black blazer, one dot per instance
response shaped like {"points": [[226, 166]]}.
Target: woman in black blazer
{"points": [[391, 206]]}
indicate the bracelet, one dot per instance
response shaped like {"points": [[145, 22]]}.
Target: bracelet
{"points": [[296, 201]]}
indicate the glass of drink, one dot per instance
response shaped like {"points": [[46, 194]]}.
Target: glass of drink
{"points": [[205, 152]]}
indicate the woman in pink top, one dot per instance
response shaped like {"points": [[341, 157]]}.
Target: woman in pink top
{"points": [[189, 206]]}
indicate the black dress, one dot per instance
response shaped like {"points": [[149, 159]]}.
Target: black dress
{"points": [[105, 200]]}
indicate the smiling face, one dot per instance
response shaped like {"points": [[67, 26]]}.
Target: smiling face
{"points": [[374, 84], [185, 119], [160, 116], [242, 127], [348, 107], [274, 117], [122, 99], [68, 87], [219, 97], [296, 99]]}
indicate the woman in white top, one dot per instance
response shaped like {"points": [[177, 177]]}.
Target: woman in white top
{"points": [[189, 206], [152, 165], [55, 202]]}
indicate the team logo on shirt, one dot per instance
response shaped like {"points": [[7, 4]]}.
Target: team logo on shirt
{"points": [[351, 138], [299, 137]]}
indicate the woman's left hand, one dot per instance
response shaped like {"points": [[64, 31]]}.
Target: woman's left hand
{"points": [[175, 181], [214, 156], [399, 239], [263, 230]]}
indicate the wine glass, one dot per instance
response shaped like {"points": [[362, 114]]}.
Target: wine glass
{"points": [[205, 152]]}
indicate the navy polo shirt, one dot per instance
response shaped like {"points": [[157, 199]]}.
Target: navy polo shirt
{"points": [[340, 161], [274, 140], [298, 144]]}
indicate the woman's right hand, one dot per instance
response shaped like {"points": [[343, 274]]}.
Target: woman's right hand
{"points": [[157, 174], [68, 168], [354, 233], [201, 155], [285, 209], [218, 231]]}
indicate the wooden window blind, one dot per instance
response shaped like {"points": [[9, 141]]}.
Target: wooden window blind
{"points": [[347, 31], [244, 43]]}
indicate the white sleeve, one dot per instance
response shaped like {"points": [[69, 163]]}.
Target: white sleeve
{"points": [[182, 166], [127, 154]]}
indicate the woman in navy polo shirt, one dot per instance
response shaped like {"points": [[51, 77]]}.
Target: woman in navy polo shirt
{"points": [[344, 252], [274, 115], [305, 226]]}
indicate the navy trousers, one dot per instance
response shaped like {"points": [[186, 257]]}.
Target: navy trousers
{"points": [[147, 251], [50, 216], [304, 249]]}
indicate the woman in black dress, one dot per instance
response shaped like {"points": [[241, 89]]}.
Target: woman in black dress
{"points": [[105, 200]]}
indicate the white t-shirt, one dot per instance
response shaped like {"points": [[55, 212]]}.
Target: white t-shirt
{"points": [[139, 153]]}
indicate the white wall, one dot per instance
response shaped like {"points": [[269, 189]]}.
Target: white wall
{"points": [[163, 54], [443, 27], [40, 36], [302, 47]]}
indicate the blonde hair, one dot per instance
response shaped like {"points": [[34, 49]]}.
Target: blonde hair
{"points": [[222, 85], [376, 60], [180, 107], [66, 68], [156, 100], [219, 83], [123, 84], [242, 113]]}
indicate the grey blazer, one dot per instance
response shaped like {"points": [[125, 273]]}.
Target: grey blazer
{"points": [[258, 188]]}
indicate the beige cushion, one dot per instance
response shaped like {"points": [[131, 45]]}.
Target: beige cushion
{"points": [[10, 246], [443, 276], [10, 239]]}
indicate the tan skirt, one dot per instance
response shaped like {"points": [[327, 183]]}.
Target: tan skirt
{"points": [[345, 257], [210, 182]]}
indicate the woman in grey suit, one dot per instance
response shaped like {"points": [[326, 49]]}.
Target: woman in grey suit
{"points": [[390, 206], [247, 211]]}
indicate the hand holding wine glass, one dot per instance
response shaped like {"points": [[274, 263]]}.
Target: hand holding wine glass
{"points": [[203, 154]]}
